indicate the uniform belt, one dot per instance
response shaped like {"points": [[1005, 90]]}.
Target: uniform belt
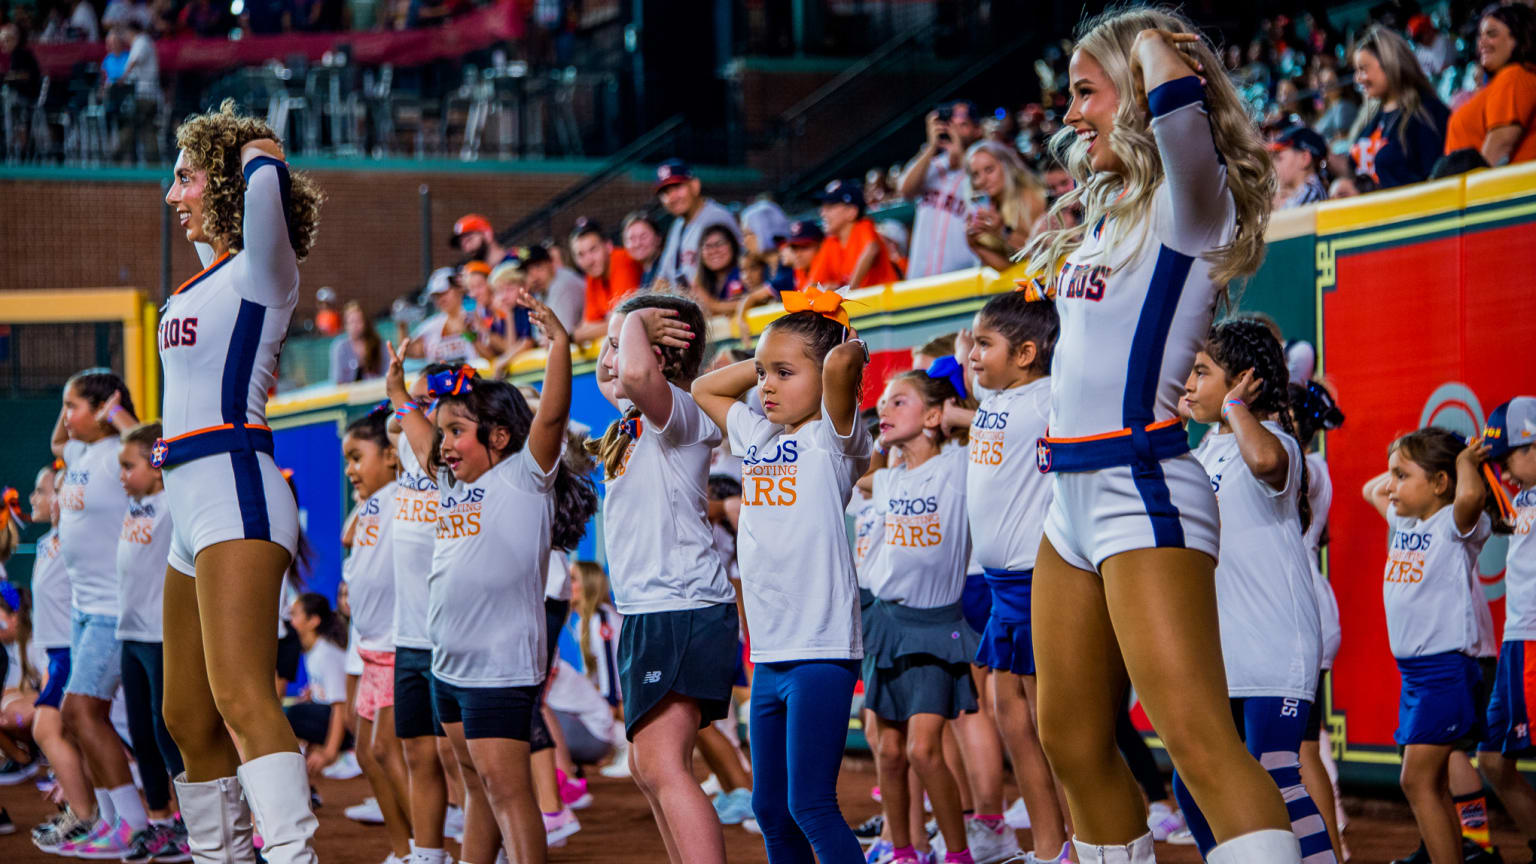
{"points": [[1142, 445], [228, 438]]}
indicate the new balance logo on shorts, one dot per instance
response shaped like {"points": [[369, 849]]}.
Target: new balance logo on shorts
{"points": [[653, 677]]}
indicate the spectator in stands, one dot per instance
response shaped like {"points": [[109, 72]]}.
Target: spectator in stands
{"points": [[561, 290], [1301, 159], [81, 25], [473, 236], [19, 65], [1349, 187], [267, 17], [1498, 120], [115, 61], [434, 13], [1401, 129], [1434, 50], [202, 18], [937, 179], [797, 253], [642, 240], [138, 112], [1339, 106], [358, 353], [682, 196], [853, 254], [1007, 199], [612, 275], [444, 337], [764, 227], [718, 287], [507, 281], [1458, 162], [876, 188], [119, 12], [327, 319]]}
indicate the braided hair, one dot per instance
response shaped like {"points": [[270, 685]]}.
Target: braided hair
{"points": [[679, 365], [1239, 344]]}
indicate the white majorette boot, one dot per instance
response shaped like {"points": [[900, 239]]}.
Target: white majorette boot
{"points": [[217, 819], [1270, 846], [277, 785], [1138, 851]]}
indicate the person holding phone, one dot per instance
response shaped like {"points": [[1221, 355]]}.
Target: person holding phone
{"points": [[936, 180], [1007, 199]]}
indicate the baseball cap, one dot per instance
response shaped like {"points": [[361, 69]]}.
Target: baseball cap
{"points": [[672, 172], [1511, 425], [534, 254], [442, 279], [466, 224], [1419, 24], [842, 192], [804, 233], [1301, 138], [480, 267]]}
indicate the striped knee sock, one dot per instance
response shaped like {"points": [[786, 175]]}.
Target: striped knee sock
{"points": [[1306, 822], [1472, 810]]}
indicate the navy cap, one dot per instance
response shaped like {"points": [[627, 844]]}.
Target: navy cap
{"points": [[671, 172], [804, 233], [1303, 139], [1511, 425], [842, 192]]}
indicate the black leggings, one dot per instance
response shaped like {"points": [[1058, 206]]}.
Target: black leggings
{"points": [[143, 690], [1137, 754]]}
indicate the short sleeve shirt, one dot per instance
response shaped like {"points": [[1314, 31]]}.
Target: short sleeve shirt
{"points": [[326, 665], [1520, 572], [1006, 494], [415, 518], [1428, 583], [370, 571], [938, 225], [927, 544], [835, 261], [50, 594], [143, 548], [1509, 99], [603, 294], [91, 507]]}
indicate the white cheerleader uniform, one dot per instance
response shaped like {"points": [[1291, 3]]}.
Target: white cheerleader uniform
{"points": [[220, 336]]}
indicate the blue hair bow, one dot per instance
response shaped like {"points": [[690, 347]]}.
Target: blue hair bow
{"points": [[949, 367], [11, 595], [451, 382], [631, 426]]}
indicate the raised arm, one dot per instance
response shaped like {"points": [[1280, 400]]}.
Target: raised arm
{"points": [[1470, 491], [1175, 96], [841, 374], [911, 181], [719, 390], [270, 262], [59, 438], [547, 435], [639, 372], [412, 418], [1265, 456], [1375, 492]]}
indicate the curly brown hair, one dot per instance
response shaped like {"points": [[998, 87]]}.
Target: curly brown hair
{"points": [[212, 143]]}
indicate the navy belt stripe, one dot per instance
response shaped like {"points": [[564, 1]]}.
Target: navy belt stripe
{"points": [[244, 342], [1141, 380]]}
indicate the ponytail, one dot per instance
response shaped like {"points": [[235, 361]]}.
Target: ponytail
{"points": [[332, 626], [610, 448]]}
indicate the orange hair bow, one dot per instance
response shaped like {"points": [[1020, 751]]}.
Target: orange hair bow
{"points": [[827, 304], [12, 500]]}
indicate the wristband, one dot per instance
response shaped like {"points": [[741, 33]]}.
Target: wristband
{"points": [[1227, 406], [113, 413], [404, 410]]}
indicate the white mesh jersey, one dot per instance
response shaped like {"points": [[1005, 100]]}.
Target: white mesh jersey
{"points": [[221, 332], [1135, 312]]}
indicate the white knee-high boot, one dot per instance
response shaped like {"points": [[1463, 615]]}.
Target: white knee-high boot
{"points": [[277, 785], [1270, 846], [1138, 851], [217, 819]]}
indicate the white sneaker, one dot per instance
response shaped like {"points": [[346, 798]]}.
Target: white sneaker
{"points": [[453, 822], [367, 812], [1017, 816], [711, 786], [559, 827], [751, 826], [1163, 821], [393, 859], [1181, 837], [344, 768], [990, 846]]}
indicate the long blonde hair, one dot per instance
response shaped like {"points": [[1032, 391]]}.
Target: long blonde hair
{"points": [[1023, 192], [1405, 80], [1125, 198], [594, 593]]}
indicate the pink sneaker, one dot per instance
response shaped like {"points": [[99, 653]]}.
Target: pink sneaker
{"points": [[574, 793], [112, 845], [71, 847], [559, 826]]}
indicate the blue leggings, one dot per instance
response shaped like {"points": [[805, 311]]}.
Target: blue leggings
{"points": [[1272, 727], [799, 726]]}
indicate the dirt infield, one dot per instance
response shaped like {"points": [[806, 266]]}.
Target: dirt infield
{"points": [[618, 826]]}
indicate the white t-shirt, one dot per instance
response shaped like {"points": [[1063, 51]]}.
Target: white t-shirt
{"points": [[927, 543], [440, 348], [91, 507], [50, 594], [416, 499], [571, 693], [370, 571], [868, 534], [143, 549], [797, 576], [486, 595], [326, 666], [1520, 572], [1428, 582], [557, 582], [661, 551], [603, 638], [1271, 636], [1320, 496], [938, 226], [1007, 495], [354, 664]]}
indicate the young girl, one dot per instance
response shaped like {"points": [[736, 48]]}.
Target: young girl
{"points": [[917, 648], [1008, 356], [600, 629], [1432, 496], [799, 463], [1510, 436], [678, 646], [506, 499], [1271, 633], [1175, 187], [415, 524], [320, 718], [142, 550], [369, 571], [97, 408]]}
